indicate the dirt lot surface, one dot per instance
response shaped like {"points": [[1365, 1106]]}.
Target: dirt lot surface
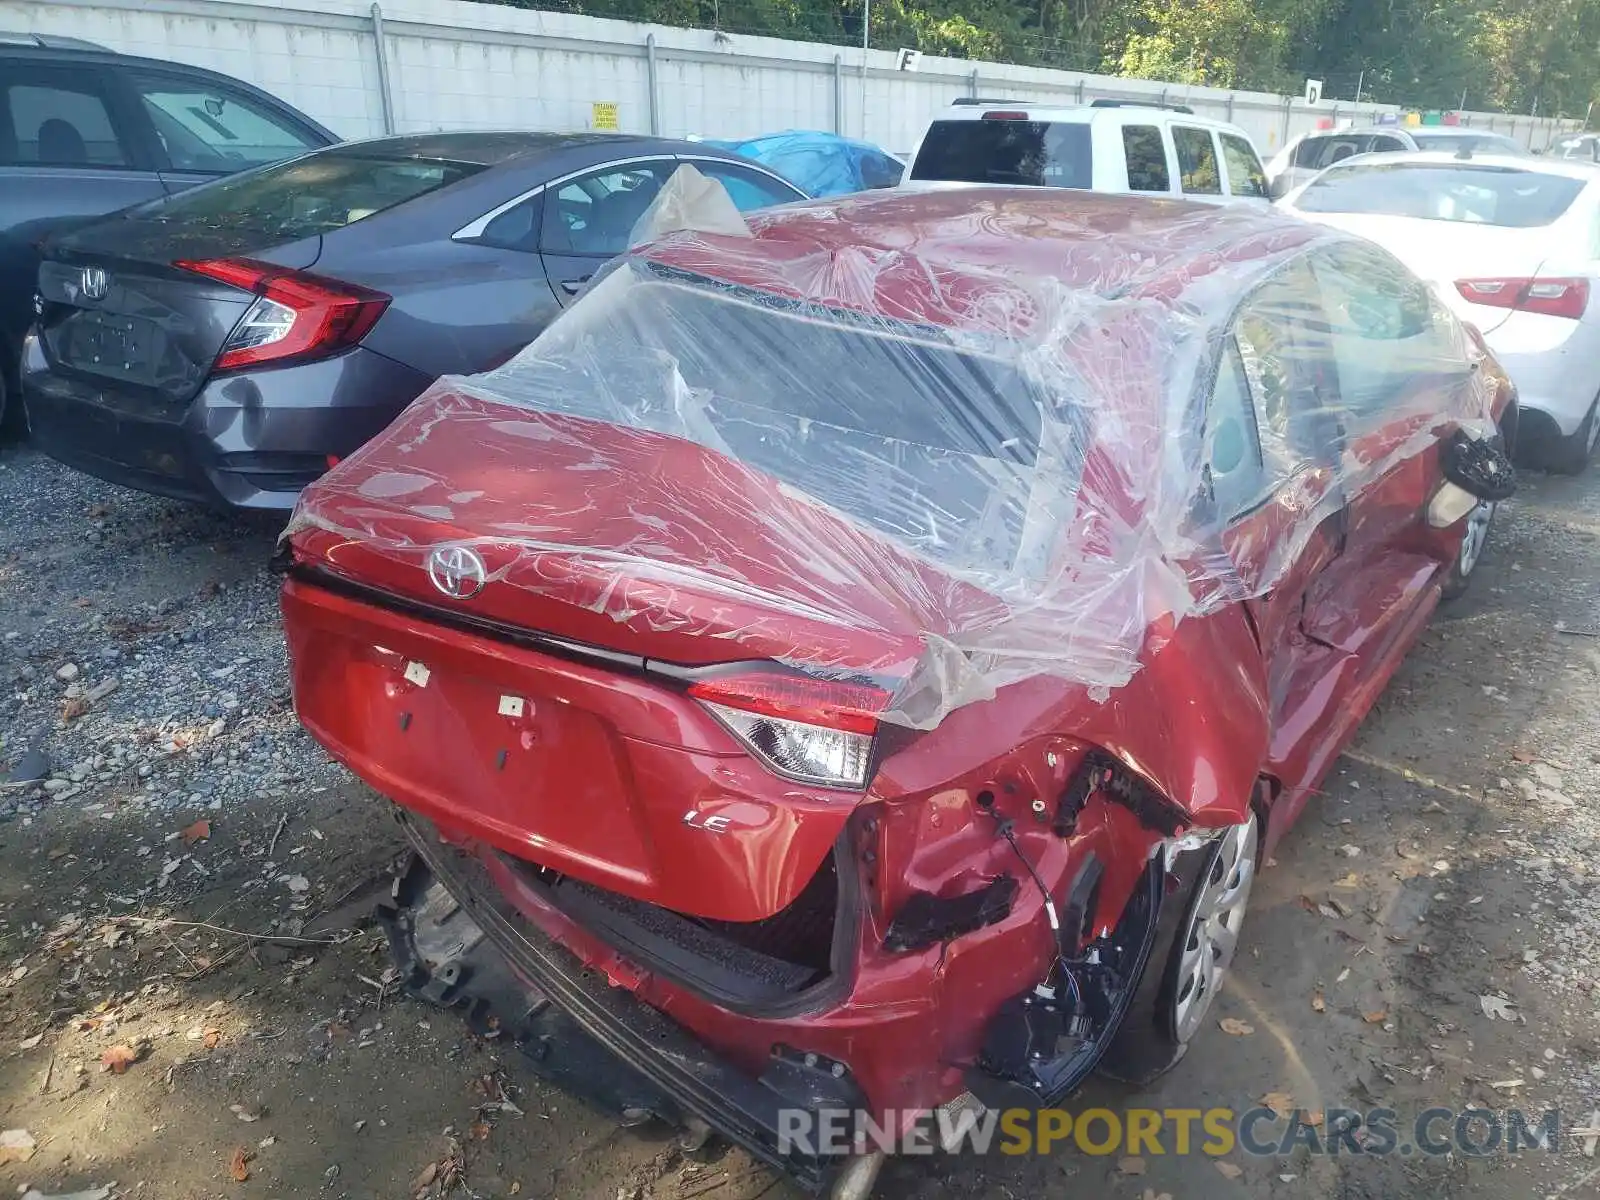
{"points": [[147, 1047]]}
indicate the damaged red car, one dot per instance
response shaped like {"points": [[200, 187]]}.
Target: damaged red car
{"points": [[854, 660]]}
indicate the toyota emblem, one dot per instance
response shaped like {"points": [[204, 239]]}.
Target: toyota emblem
{"points": [[457, 571], [94, 285]]}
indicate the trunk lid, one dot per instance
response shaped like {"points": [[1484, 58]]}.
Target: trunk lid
{"points": [[117, 310], [622, 540]]}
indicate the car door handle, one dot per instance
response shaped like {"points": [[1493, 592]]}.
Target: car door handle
{"points": [[572, 286]]}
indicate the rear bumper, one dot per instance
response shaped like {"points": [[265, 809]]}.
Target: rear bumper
{"points": [[593, 1039], [1557, 381], [245, 441]]}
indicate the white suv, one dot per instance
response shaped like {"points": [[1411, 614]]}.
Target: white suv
{"points": [[1107, 146]]}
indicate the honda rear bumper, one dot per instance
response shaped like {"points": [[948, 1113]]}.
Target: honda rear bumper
{"points": [[251, 440], [474, 951]]}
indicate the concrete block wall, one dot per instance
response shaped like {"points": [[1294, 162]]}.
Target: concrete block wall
{"points": [[455, 64]]}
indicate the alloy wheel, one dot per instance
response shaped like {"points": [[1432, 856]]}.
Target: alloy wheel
{"points": [[1213, 933], [1475, 538]]}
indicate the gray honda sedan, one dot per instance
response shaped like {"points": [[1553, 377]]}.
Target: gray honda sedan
{"points": [[231, 343]]}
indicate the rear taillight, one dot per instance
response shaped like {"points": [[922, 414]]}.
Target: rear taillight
{"points": [[1547, 297], [814, 730], [295, 315]]}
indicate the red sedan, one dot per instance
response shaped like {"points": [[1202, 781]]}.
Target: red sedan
{"points": [[856, 667]]}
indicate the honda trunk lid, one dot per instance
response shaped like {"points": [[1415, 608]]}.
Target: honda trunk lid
{"points": [[116, 306]]}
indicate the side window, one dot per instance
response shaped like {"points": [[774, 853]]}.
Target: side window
{"points": [[1387, 335], [1197, 161], [1232, 440], [517, 228], [749, 190], [1386, 145], [1310, 152], [216, 130], [1245, 176], [51, 121], [1147, 159], [1283, 347], [595, 214]]}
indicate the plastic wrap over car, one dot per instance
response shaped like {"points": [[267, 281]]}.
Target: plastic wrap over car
{"points": [[821, 164], [949, 441]]}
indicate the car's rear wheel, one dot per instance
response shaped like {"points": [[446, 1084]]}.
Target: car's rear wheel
{"points": [[1574, 452], [12, 424], [1171, 1007]]}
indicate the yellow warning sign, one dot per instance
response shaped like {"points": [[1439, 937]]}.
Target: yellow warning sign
{"points": [[605, 115]]}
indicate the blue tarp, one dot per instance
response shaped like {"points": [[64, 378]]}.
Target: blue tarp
{"points": [[823, 164]]}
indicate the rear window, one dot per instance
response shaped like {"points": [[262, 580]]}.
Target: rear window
{"points": [[953, 452], [1483, 143], [1503, 196], [1036, 153], [1576, 147], [315, 194]]}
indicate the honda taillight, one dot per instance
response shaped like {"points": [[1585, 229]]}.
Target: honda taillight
{"points": [[1547, 297], [295, 315], [815, 730]]}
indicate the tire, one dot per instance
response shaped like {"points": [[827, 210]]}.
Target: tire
{"points": [[13, 425], [1479, 521], [1574, 452], [1176, 995]]}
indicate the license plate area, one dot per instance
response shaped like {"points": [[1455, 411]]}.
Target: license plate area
{"points": [[528, 764], [110, 344]]}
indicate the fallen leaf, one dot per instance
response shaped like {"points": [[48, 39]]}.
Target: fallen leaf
{"points": [[1236, 1027], [1522, 756], [198, 832], [244, 1114], [211, 1038], [429, 1174], [1351, 880], [480, 1130], [1281, 1103], [1376, 1017], [119, 1058], [74, 708], [1497, 1006], [239, 1167], [1307, 903], [16, 1145], [1343, 975], [1132, 1165], [1149, 1194], [1318, 1004], [1229, 1170]]}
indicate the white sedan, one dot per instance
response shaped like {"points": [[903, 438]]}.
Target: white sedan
{"points": [[1513, 246]]}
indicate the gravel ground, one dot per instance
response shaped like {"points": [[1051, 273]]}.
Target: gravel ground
{"points": [[167, 803]]}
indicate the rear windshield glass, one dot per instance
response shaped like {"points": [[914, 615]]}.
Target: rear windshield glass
{"points": [[1443, 192], [937, 446], [306, 196], [1036, 153], [1484, 143]]}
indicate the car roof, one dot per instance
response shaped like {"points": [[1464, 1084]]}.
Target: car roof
{"points": [[43, 48], [1001, 248], [1575, 168], [494, 147], [1116, 114]]}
